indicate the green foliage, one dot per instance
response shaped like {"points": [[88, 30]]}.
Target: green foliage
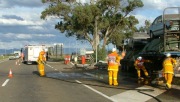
{"points": [[142, 29], [101, 54], [107, 20], [146, 27], [147, 24]]}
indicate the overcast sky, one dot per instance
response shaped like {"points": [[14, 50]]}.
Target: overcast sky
{"points": [[20, 22]]}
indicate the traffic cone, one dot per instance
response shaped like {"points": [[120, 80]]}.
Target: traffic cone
{"points": [[10, 74]]}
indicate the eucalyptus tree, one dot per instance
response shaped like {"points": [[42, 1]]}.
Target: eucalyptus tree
{"points": [[106, 21]]}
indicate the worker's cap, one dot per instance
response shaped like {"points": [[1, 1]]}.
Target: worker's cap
{"points": [[168, 55], [139, 58], [114, 49]]}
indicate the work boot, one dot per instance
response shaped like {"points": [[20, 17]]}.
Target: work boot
{"points": [[116, 84], [140, 78], [166, 87]]}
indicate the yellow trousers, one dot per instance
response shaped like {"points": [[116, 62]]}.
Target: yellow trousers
{"points": [[113, 77], [139, 71], [168, 77], [41, 69]]}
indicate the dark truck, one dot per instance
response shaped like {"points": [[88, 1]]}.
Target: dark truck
{"points": [[168, 42], [133, 46], [156, 48]]}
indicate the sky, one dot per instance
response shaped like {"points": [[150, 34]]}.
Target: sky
{"points": [[20, 22]]}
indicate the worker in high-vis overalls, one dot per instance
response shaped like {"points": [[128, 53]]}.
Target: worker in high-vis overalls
{"points": [[168, 71], [41, 61], [113, 67], [139, 65]]}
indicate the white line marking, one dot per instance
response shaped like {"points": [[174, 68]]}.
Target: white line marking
{"points": [[135, 96], [100, 93], [4, 84]]}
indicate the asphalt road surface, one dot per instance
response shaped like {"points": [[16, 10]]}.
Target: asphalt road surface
{"points": [[63, 83]]}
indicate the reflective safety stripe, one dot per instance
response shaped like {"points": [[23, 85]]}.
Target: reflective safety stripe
{"points": [[169, 72], [168, 64], [113, 69]]}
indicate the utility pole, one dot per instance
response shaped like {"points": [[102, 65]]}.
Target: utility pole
{"points": [[96, 34]]}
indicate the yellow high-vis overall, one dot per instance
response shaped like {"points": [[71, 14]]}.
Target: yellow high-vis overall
{"points": [[113, 67], [140, 65], [168, 70], [41, 61]]}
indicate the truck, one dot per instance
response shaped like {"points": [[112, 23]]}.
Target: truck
{"points": [[17, 53], [133, 46], [31, 53], [157, 47]]}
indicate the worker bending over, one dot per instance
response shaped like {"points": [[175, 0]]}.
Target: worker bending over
{"points": [[139, 64], [168, 71]]}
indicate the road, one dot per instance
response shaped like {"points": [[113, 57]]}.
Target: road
{"points": [[66, 84]]}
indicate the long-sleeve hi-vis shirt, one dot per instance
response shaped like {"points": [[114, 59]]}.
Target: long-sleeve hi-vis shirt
{"points": [[140, 64], [113, 61], [168, 65]]}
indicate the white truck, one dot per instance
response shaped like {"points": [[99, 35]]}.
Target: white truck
{"points": [[17, 54], [31, 53]]}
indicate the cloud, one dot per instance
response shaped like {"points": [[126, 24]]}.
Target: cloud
{"points": [[152, 9], [26, 36], [12, 17], [142, 18], [15, 22], [155, 4], [24, 3]]}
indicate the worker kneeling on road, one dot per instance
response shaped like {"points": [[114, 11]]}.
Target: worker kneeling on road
{"points": [[168, 71], [41, 61], [139, 64], [113, 66]]}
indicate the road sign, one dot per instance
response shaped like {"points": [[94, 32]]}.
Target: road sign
{"points": [[82, 51]]}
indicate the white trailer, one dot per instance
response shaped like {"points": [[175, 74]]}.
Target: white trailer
{"points": [[31, 53], [17, 54]]}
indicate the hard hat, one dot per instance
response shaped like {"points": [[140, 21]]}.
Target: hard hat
{"points": [[139, 58], [114, 49], [168, 55]]}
